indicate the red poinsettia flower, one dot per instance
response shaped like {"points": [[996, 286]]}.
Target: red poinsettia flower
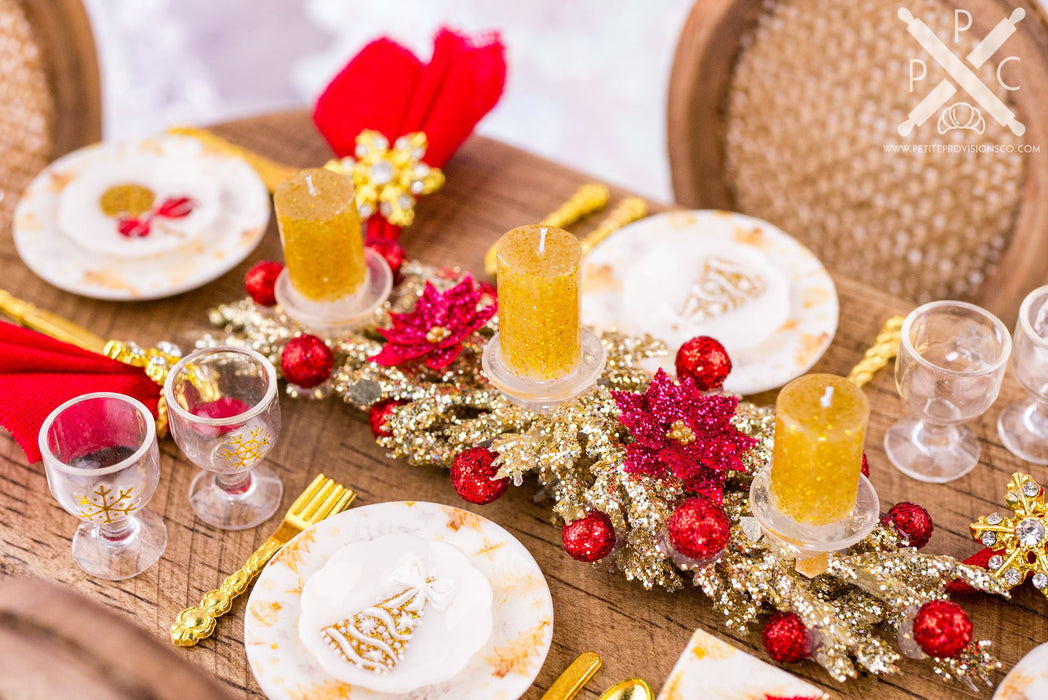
{"points": [[436, 328], [680, 431]]}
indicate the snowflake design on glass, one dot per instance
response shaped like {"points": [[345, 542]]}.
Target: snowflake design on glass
{"points": [[102, 506], [1018, 541], [245, 449]]}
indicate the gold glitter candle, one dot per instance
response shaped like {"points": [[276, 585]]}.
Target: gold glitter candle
{"points": [[320, 231], [820, 425], [539, 275]]}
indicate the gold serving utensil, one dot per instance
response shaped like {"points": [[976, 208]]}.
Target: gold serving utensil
{"points": [[321, 498], [271, 171], [25, 314], [574, 677], [627, 211], [629, 689], [883, 351], [587, 199]]}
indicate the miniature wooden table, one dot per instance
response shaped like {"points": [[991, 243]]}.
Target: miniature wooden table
{"points": [[491, 187]]}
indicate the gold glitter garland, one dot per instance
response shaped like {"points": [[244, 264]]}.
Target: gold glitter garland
{"points": [[578, 453]]}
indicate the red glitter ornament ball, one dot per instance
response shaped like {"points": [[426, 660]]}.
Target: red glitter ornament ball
{"points": [[390, 251], [260, 281], [306, 361], [705, 361], [786, 638], [699, 529], [590, 538], [942, 628], [379, 414], [912, 522], [865, 466], [471, 474]]}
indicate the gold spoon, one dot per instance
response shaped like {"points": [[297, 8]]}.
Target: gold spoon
{"points": [[629, 689]]}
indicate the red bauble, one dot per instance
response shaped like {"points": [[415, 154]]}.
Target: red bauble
{"points": [[471, 474], [390, 251], [865, 466], [912, 522], [699, 529], [306, 361], [705, 361], [260, 281], [942, 628], [379, 414], [590, 538], [786, 638]]}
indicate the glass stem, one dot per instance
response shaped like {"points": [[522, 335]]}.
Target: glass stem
{"points": [[933, 436], [234, 484], [117, 532], [1037, 419]]}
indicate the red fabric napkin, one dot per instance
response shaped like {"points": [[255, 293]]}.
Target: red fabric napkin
{"points": [[388, 89], [39, 373]]}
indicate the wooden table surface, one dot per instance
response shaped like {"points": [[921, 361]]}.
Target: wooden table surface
{"points": [[491, 187]]}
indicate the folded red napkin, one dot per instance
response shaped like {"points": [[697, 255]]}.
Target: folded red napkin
{"points": [[387, 89], [39, 373]]}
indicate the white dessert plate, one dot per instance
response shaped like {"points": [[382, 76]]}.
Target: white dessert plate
{"points": [[503, 669], [194, 215], [678, 275]]}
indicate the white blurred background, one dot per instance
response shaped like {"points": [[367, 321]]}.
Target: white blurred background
{"points": [[586, 87]]}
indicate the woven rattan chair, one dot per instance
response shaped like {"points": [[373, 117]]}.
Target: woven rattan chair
{"points": [[56, 643], [50, 102], [788, 110]]}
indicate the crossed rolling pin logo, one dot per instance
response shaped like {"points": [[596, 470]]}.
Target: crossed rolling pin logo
{"points": [[961, 115]]}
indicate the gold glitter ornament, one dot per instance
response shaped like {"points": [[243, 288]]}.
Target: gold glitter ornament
{"points": [[1018, 541], [389, 180]]}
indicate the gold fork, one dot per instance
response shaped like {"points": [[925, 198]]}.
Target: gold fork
{"points": [[321, 498]]}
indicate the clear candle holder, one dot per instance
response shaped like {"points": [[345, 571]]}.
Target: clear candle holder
{"points": [[541, 356], [814, 499], [102, 463], [804, 540], [331, 282], [224, 415], [1023, 425], [541, 395], [330, 319]]}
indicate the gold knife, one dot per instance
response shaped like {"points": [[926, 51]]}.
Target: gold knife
{"points": [[575, 676]]}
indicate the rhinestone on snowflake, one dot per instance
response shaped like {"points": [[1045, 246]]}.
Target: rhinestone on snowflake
{"points": [[1018, 541]]}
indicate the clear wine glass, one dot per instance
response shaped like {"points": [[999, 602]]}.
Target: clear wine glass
{"points": [[102, 463], [1023, 425], [949, 370], [225, 417]]}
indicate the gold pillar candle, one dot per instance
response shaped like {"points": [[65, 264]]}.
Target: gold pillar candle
{"points": [[539, 274], [320, 231], [820, 425]]}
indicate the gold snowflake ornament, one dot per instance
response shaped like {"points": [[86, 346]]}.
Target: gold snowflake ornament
{"points": [[389, 180], [245, 449], [1018, 541], [104, 506]]}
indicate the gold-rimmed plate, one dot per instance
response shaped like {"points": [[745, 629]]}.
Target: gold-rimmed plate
{"points": [[522, 609]]}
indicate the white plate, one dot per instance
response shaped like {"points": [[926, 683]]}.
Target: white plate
{"points": [[678, 275], [63, 235], [503, 670]]}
